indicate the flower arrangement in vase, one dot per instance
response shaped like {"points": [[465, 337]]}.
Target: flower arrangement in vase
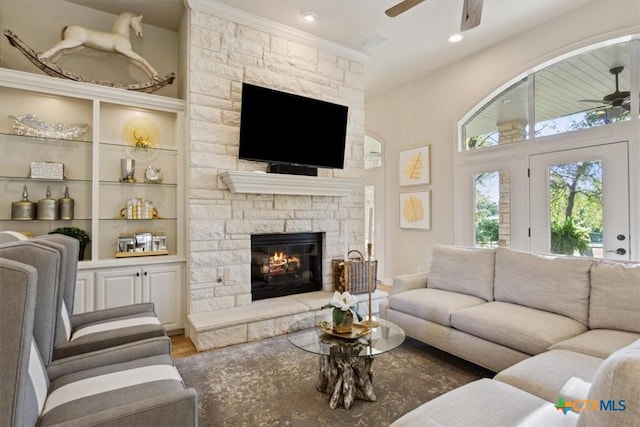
{"points": [[345, 306]]}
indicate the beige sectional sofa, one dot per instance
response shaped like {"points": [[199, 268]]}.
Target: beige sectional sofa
{"points": [[545, 324]]}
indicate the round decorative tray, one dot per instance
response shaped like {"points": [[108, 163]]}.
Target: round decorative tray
{"points": [[356, 332]]}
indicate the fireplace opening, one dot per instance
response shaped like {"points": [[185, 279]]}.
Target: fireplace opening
{"points": [[285, 264]]}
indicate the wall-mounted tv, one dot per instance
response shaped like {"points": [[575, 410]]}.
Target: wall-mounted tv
{"points": [[286, 129]]}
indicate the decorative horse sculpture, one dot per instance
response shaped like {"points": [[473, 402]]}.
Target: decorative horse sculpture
{"points": [[75, 38]]}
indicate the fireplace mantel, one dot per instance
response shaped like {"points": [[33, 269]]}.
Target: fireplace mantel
{"points": [[275, 183]]}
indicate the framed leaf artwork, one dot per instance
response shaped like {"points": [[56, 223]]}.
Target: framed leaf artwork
{"points": [[415, 166], [415, 210]]}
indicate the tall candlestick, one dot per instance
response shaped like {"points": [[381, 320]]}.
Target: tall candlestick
{"points": [[370, 224], [346, 241], [370, 322]]}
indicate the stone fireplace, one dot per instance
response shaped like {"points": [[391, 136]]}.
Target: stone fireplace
{"points": [[285, 264], [225, 50]]}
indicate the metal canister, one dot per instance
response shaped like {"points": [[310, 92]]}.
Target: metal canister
{"points": [[24, 209], [48, 207], [65, 205]]}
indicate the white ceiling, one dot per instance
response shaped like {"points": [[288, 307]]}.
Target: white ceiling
{"points": [[416, 41]]}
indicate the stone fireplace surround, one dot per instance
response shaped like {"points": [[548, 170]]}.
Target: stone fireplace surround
{"points": [[229, 201], [276, 316]]}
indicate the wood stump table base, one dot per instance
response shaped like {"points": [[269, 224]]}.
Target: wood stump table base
{"points": [[346, 379]]}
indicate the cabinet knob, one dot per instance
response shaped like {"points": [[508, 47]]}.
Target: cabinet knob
{"points": [[145, 273], [138, 274]]}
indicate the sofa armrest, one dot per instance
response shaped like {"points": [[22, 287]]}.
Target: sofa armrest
{"points": [[407, 282], [109, 356]]}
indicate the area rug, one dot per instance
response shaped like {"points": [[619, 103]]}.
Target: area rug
{"points": [[272, 383]]}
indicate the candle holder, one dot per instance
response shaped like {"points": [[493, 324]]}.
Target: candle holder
{"points": [[370, 322]]}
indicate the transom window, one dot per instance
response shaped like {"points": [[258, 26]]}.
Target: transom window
{"points": [[587, 90]]}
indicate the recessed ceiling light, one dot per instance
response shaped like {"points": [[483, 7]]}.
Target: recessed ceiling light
{"points": [[455, 38], [309, 16]]}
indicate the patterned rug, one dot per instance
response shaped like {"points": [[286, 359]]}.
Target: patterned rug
{"points": [[272, 383]]}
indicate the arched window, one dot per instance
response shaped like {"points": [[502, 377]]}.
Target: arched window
{"points": [[588, 89], [372, 152]]}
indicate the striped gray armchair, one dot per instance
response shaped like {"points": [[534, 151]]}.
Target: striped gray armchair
{"points": [[100, 329], [132, 384]]}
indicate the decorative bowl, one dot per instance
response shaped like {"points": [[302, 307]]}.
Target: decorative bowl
{"points": [[31, 125]]}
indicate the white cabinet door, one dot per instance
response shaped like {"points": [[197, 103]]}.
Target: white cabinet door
{"points": [[162, 286], [118, 286], [84, 296]]}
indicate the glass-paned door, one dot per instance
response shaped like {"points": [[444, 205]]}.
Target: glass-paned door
{"points": [[579, 202]]}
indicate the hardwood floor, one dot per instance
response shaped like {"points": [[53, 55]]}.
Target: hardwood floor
{"points": [[181, 346]]}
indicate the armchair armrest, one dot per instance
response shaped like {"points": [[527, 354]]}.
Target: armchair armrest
{"points": [[122, 353], [110, 313], [179, 408], [407, 282]]}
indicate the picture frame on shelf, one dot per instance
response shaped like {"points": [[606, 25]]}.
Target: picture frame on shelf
{"points": [[415, 210], [415, 166]]}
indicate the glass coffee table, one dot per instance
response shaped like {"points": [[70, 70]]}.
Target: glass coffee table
{"points": [[345, 363]]}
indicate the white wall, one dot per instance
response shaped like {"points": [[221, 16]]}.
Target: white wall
{"points": [[38, 23], [427, 110]]}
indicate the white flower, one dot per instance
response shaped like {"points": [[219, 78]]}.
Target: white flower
{"points": [[344, 301]]}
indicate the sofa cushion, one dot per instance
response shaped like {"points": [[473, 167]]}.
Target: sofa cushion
{"points": [[615, 296], [597, 342], [617, 379], [465, 270], [546, 374], [432, 304], [521, 328], [556, 284], [486, 403]]}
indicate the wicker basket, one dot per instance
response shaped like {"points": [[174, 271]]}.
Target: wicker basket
{"points": [[358, 274]]}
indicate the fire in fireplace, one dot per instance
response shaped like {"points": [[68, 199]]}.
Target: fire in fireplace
{"points": [[285, 264]]}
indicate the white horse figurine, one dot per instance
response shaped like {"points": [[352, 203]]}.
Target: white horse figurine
{"points": [[75, 38]]}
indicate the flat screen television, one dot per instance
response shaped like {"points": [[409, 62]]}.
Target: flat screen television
{"points": [[286, 129]]}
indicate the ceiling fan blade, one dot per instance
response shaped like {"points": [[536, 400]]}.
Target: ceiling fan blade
{"points": [[401, 7], [471, 13]]}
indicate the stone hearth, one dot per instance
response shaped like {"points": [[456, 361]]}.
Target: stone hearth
{"points": [[267, 318]]}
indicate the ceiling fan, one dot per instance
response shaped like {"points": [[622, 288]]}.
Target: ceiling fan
{"points": [[471, 12], [617, 98]]}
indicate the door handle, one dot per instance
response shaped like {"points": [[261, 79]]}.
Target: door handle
{"points": [[619, 251]]}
